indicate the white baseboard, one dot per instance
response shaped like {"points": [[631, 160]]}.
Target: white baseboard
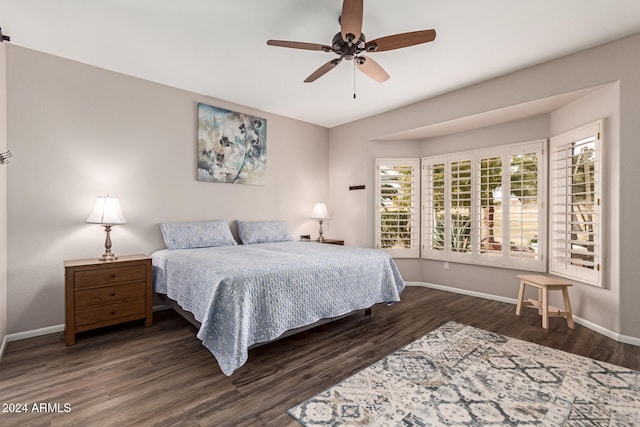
{"points": [[48, 330], [597, 328], [35, 333], [607, 333], [464, 292], [28, 334], [587, 324], [3, 346]]}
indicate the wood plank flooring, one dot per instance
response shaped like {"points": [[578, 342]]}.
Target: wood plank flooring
{"points": [[131, 375]]}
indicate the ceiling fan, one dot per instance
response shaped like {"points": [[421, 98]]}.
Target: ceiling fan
{"points": [[350, 43]]}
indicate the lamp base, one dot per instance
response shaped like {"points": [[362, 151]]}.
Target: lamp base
{"points": [[108, 257], [321, 238]]}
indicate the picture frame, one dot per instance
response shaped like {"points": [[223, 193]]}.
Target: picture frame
{"points": [[232, 146]]}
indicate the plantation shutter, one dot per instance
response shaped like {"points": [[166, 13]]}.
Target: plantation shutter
{"points": [[433, 208], [526, 215], [397, 219], [460, 207], [576, 205], [509, 206], [486, 206], [490, 207]]}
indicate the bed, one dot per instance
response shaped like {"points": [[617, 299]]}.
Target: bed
{"points": [[250, 293]]}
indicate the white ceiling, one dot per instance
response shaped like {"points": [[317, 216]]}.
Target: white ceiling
{"points": [[218, 48]]}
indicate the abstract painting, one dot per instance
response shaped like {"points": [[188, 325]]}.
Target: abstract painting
{"points": [[232, 147]]}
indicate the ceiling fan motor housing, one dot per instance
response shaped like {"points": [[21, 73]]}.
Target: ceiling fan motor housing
{"points": [[348, 50]]}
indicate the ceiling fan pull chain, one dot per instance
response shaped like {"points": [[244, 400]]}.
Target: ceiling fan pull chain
{"points": [[354, 79]]}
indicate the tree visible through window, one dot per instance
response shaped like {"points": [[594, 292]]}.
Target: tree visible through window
{"points": [[485, 206], [575, 192], [491, 206], [398, 192], [434, 209], [460, 207], [524, 213]]}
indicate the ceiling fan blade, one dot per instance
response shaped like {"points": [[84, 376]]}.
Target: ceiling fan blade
{"points": [[351, 20], [398, 41], [299, 45], [323, 70], [371, 68]]}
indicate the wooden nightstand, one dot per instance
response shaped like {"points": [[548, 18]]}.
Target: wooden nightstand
{"points": [[333, 242], [99, 293]]}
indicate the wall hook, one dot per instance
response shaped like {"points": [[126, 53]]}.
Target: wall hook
{"points": [[4, 38], [4, 157]]}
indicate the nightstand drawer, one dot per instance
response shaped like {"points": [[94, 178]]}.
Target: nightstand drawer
{"points": [[109, 275], [110, 294], [105, 314]]}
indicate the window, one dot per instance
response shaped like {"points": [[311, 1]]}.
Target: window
{"points": [[575, 204], [458, 221], [433, 211], [490, 206], [485, 206], [397, 190], [525, 206]]}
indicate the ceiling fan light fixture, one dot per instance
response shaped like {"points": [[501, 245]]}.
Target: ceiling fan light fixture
{"points": [[337, 42]]}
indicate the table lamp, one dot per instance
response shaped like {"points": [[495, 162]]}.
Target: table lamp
{"points": [[320, 213], [107, 213]]}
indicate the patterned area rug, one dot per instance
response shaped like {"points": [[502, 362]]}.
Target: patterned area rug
{"points": [[462, 376]]}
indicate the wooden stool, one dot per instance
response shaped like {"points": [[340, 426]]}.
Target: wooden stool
{"points": [[544, 285]]}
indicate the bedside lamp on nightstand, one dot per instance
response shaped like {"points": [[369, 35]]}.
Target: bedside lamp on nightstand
{"points": [[107, 213], [320, 213]]}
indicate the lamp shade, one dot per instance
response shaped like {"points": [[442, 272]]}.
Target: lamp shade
{"points": [[106, 211], [320, 211]]}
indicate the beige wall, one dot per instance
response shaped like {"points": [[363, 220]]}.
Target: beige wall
{"points": [[77, 132], [3, 200], [352, 149]]}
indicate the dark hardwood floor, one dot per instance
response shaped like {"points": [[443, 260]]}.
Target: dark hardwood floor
{"points": [[131, 375]]}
